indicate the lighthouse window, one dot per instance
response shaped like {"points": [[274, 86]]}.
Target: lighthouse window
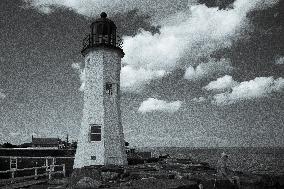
{"points": [[109, 88], [102, 29], [96, 132]]}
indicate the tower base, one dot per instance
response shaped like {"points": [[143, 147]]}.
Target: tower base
{"points": [[95, 175]]}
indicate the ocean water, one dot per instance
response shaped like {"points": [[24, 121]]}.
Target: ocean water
{"points": [[264, 160]]}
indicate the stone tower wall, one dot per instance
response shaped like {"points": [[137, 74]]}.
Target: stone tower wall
{"points": [[102, 65]]}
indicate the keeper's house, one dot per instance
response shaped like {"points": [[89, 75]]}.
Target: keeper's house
{"points": [[53, 143]]}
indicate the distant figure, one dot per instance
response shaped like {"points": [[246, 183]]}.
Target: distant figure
{"points": [[225, 172]]}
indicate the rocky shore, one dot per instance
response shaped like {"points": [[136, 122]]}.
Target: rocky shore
{"points": [[168, 173]]}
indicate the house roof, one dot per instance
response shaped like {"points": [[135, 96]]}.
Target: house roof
{"points": [[33, 152], [45, 141]]}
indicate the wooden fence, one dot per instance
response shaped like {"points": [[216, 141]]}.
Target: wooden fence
{"points": [[48, 171]]}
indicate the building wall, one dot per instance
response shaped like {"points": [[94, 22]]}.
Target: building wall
{"points": [[114, 139], [92, 112], [101, 65]]}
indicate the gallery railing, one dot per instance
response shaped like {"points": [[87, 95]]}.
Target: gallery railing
{"points": [[94, 40]]}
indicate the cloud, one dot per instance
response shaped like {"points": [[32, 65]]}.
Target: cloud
{"points": [[135, 79], [279, 60], [256, 88], [199, 32], [84, 7], [222, 83], [200, 99], [246, 5], [195, 35], [94, 7], [132, 80], [152, 104], [82, 74], [209, 69]]}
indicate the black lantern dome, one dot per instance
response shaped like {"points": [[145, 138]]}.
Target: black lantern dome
{"points": [[103, 33]]}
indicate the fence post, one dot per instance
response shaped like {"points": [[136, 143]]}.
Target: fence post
{"points": [[64, 170], [49, 174], [36, 173], [13, 176], [53, 162], [46, 164]]}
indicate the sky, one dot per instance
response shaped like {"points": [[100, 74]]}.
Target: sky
{"points": [[196, 73]]}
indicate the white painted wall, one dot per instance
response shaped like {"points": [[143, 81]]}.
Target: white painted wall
{"points": [[114, 139], [101, 65]]}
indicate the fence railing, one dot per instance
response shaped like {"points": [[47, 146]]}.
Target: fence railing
{"points": [[49, 171]]}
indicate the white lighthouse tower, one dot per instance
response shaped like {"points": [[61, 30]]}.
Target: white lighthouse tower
{"points": [[101, 141]]}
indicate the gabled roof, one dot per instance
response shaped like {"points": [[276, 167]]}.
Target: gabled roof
{"points": [[45, 141]]}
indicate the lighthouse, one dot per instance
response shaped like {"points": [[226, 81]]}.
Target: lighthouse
{"points": [[101, 138]]}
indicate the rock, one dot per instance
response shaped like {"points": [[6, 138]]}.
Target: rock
{"points": [[195, 186], [106, 176], [224, 184], [79, 173], [87, 183], [58, 181], [186, 175]]}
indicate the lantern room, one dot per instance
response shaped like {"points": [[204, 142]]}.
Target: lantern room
{"points": [[103, 32]]}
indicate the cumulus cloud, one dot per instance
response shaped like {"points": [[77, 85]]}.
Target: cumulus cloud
{"points": [[93, 7], [209, 69], [198, 32], [279, 60], [81, 71], [200, 99], [256, 88], [152, 104], [222, 83], [134, 80], [84, 7]]}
